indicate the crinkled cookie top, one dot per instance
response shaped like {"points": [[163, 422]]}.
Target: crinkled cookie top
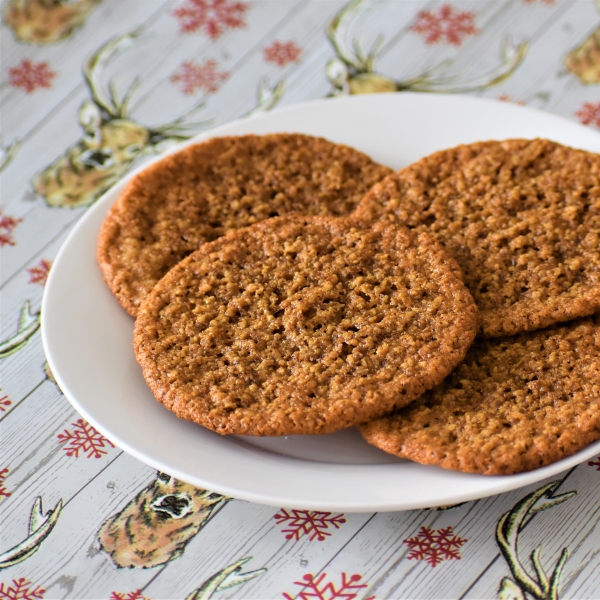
{"points": [[514, 404], [170, 209], [521, 218], [300, 325]]}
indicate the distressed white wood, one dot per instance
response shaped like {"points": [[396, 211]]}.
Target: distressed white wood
{"points": [[69, 564], [38, 464], [21, 372], [577, 519], [70, 561], [22, 112], [243, 529], [543, 71], [407, 55]]}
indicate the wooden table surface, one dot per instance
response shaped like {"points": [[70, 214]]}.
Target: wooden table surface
{"points": [[82, 519]]}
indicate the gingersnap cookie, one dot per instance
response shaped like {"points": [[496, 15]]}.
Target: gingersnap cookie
{"points": [[301, 325], [197, 195], [521, 218], [514, 404]]}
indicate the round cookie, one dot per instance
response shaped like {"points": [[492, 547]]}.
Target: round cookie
{"points": [[301, 325], [521, 218], [194, 196], [514, 404]]}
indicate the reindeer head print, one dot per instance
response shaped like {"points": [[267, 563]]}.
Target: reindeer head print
{"points": [[156, 525], [46, 21], [352, 71], [93, 164], [584, 60], [111, 141]]}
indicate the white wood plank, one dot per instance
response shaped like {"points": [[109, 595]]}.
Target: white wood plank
{"points": [[69, 560], [22, 112], [380, 553], [408, 55], [573, 524], [241, 530], [543, 70], [22, 371], [304, 80], [38, 465]]}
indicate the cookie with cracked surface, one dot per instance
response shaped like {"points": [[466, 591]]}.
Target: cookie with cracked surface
{"points": [[200, 193], [521, 218], [301, 325], [513, 405]]}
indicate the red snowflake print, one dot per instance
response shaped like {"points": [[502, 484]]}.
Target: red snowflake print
{"points": [[4, 401], [447, 25], [84, 438], [39, 273], [435, 545], [31, 76], [316, 588], [212, 17], [21, 590], [7, 224], [595, 463], [137, 595], [199, 77], [589, 113], [282, 53], [3, 491], [308, 522]]}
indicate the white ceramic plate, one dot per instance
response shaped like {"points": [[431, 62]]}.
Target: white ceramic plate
{"points": [[88, 336]]}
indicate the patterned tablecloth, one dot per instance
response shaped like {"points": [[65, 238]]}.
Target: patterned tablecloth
{"points": [[80, 518]]}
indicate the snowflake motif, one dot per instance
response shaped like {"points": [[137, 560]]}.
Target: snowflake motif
{"points": [[447, 25], [212, 17], [137, 595], [589, 113], [4, 401], [39, 273], [21, 590], [84, 438], [3, 491], [595, 463], [313, 589], [7, 224], [199, 77], [435, 545], [507, 98], [282, 53], [31, 76], [308, 522]]}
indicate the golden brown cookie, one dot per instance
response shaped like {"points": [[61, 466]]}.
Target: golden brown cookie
{"points": [[514, 404], [300, 325], [521, 218], [195, 196]]}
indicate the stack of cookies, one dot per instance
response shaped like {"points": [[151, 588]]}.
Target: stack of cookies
{"points": [[284, 285]]}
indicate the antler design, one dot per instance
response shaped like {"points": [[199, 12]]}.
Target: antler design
{"points": [[353, 70], [7, 153], [508, 529], [112, 139], [226, 578], [94, 66], [27, 325], [266, 96], [40, 526]]}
